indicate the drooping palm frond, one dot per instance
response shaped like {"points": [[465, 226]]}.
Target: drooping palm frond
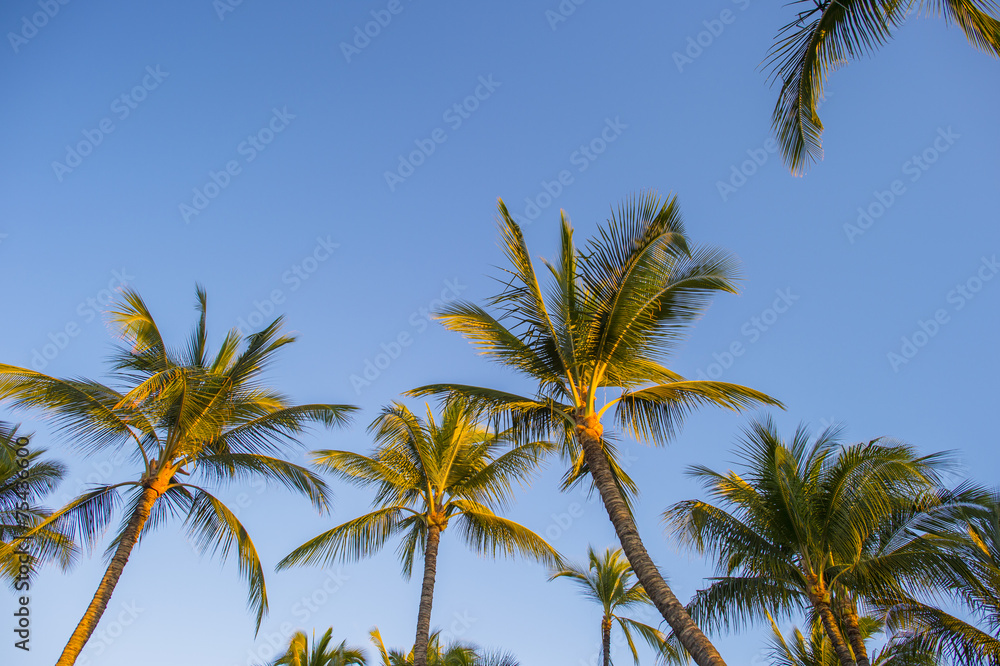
{"points": [[828, 34]]}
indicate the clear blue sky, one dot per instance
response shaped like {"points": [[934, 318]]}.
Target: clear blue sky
{"points": [[301, 219]]}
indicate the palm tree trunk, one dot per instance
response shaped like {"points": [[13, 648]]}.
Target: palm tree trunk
{"points": [[849, 614], [426, 596], [101, 598], [588, 433], [606, 640], [840, 646]]}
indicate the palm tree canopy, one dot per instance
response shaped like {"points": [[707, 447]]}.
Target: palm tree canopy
{"points": [[594, 337], [799, 520], [827, 34], [24, 480], [973, 575], [319, 653], [609, 581], [425, 472], [186, 416], [816, 650], [440, 653]]}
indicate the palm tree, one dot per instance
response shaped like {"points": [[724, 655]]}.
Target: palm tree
{"points": [[611, 313], [827, 34], [817, 651], [441, 654], [799, 530], [22, 486], [973, 575], [428, 475], [320, 653], [183, 414], [607, 580]]}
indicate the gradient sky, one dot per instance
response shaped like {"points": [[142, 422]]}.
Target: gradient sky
{"points": [[311, 228]]}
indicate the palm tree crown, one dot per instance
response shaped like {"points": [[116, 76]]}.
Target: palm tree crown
{"points": [[592, 341], [972, 549], [319, 653], [428, 476], [798, 529], [609, 581], [22, 486], [186, 416]]}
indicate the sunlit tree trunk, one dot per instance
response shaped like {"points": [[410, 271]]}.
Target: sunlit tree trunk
{"points": [[426, 596], [588, 433], [825, 612], [849, 615], [101, 598]]}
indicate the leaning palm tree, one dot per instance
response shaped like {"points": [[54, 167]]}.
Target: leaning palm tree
{"points": [[319, 653], [608, 581], [974, 577], [185, 415], [592, 342], [827, 34], [442, 654], [24, 480], [428, 474], [791, 531]]}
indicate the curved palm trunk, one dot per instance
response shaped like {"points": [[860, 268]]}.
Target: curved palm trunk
{"points": [[850, 616], [426, 597], [588, 433], [101, 598], [840, 647], [606, 640]]}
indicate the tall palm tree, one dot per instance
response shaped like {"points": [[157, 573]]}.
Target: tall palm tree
{"points": [[593, 342], [974, 577], [792, 530], [608, 580], [827, 34], [428, 475], [24, 480], [319, 653], [442, 654], [184, 415]]}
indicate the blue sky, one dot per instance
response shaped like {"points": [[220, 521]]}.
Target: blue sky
{"points": [[244, 148]]}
